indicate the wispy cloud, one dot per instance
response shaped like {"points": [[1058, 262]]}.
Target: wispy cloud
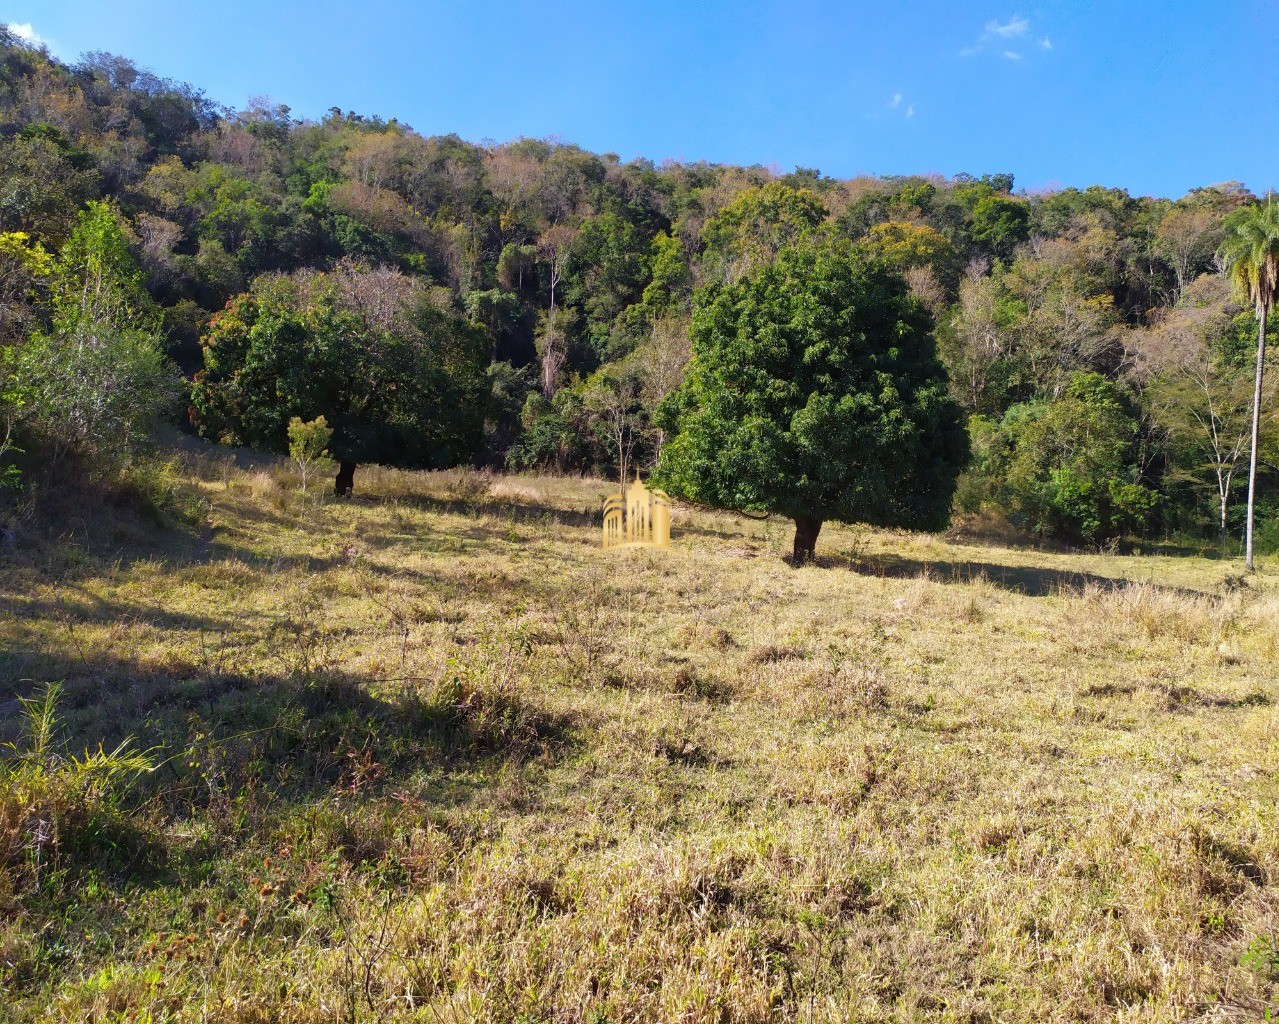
{"points": [[997, 35], [899, 103], [28, 35], [1011, 29]]}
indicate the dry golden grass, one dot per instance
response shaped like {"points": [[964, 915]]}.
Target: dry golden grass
{"points": [[431, 755]]}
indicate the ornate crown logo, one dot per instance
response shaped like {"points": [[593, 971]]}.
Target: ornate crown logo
{"points": [[637, 518]]}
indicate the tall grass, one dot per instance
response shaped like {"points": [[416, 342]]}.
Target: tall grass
{"points": [[432, 755], [53, 802]]}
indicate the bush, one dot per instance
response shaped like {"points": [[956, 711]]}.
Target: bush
{"points": [[158, 488], [1065, 468], [466, 485], [309, 446], [1266, 528], [52, 802], [91, 388], [96, 399]]}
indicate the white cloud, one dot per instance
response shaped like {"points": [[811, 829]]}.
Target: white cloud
{"points": [[1010, 29], [998, 34], [28, 34], [899, 103]]}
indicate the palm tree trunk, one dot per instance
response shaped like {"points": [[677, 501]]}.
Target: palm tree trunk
{"points": [[1256, 433]]}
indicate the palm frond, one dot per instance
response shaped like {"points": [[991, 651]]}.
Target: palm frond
{"points": [[1250, 253]]}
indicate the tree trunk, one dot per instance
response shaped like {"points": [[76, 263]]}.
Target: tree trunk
{"points": [[344, 483], [1256, 433], [806, 530]]}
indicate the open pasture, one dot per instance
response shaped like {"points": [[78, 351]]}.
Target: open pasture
{"points": [[431, 755]]}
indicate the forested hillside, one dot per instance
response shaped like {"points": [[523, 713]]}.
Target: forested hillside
{"points": [[1089, 334], [1004, 747]]}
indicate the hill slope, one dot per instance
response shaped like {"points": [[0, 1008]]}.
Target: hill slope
{"points": [[431, 755]]}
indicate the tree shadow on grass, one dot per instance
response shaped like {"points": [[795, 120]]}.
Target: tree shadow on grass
{"points": [[328, 730], [243, 760], [299, 728], [26, 579], [509, 509], [293, 703], [1033, 581], [76, 606], [77, 542], [281, 742]]}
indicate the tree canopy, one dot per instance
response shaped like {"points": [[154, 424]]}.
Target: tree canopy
{"points": [[575, 268], [398, 380], [815, 392], [1068, 467]]}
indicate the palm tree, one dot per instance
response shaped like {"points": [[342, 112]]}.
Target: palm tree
{"points": [[1250, 255]]}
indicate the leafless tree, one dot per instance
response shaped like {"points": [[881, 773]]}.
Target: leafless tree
{"points": [[612, 402], [663, 362], [1186, 238], [554, 247], [159, 238], [981, 338], [382, 296], [373, 159], [1196, 397]]}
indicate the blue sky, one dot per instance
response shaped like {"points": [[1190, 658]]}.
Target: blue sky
{"points": [[1153, 97]]}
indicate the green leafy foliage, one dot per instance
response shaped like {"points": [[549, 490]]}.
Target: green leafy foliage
{"points": [[309, 445], [1067, 467], [815, 392], [1250, 253], [606, 272], [53, 804], [751, 229], [95, 383], [1001, 223], [399, 380]]}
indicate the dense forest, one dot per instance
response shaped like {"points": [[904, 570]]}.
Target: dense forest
{"points": [[164, 257]]}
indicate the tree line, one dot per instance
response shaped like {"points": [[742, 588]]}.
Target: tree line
{"points": [[532, 305]]}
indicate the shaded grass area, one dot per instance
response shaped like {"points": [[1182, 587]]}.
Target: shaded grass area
{"points": [[431, 755], [1035, 581]]}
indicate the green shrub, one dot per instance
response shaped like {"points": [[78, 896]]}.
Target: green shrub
{"points": [[92, 387], [309, 446], [158, 488], [51, 801], [1065, 468]]}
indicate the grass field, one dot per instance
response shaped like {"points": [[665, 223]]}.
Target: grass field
{"points": [[431, 755]]}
